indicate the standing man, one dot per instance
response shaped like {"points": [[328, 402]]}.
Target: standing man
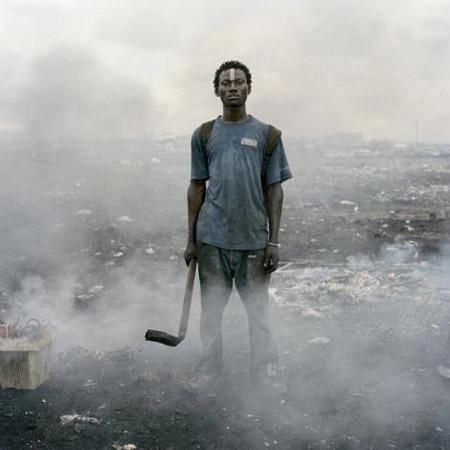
{"points": [[234, 221]]}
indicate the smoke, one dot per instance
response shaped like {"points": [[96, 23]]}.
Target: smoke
{"points": [[334, 67], [78, 205], [92, 208], [94, 240], [69, 95]]}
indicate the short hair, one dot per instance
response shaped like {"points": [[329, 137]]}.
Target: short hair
{"points": [[232, 65]]}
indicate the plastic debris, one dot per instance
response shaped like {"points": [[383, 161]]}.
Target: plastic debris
{"points": [[124, 447], [95, 289], [319, 340], [78, 418], [310, 312], [84, 297], [124, 219], [150, 250], [444, 371]]}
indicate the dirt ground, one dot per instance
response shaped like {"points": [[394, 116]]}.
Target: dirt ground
{"points": [[360, 305]]}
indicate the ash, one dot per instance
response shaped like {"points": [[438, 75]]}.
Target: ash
{"points": [[360, 302]]}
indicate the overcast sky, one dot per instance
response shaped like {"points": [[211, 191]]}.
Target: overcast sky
{"points": [[105, 68]]}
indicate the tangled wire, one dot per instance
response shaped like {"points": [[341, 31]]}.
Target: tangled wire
{"points": [[13, 330]]}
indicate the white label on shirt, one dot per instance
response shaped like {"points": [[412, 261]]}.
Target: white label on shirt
{"points": [[249, 142]]}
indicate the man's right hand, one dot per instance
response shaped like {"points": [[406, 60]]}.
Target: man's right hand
{"points": [[190, 252]]}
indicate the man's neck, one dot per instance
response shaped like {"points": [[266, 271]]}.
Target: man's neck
{"points": [[234, 114]]}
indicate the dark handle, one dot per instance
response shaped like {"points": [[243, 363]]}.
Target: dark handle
{"points": [[187, 298]]}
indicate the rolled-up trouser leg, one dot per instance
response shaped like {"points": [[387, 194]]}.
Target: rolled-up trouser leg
{"points": [[215, 288], [252, 283]]}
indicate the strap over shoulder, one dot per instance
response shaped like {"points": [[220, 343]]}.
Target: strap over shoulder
{"points": [[205, 132], [273, 136]]}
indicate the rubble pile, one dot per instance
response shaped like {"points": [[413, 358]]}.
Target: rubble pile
{"points": [[316, 291]]}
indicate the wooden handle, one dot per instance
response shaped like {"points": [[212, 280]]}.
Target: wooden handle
{"points": [[187, 298]]}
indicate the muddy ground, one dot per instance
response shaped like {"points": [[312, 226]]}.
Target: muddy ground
{"points": [[360, 305]]}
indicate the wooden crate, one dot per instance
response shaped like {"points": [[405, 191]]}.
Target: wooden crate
{"points": [[24, 363]]}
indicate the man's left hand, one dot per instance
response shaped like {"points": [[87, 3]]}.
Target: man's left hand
{"points": [[271, 258]]}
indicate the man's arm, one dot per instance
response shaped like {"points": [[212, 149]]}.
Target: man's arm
{"points": [[195, 197], [274, 204]]}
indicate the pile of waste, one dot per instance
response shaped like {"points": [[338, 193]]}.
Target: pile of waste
{"points": [[32, 329]]}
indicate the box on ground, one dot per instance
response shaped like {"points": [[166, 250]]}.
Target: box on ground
{"points": [[24, 363]]}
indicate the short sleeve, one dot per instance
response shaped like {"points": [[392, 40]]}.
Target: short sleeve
{"points": [[278, 169], [199, 161]]}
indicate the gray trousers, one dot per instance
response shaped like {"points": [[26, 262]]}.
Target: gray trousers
{"points": [[217, 268]]}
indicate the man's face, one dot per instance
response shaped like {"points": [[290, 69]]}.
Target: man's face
{"points": [[233, 88]]}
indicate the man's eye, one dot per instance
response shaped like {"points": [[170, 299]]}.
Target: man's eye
{"points": [[225, 83]]}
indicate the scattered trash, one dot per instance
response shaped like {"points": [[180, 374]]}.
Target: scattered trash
{"points": [[348, 202], [319, 340], [77, 418], [84, 297], [95, 289], [310, 312], [364, 280], [273, 295], [444, 371], [173, 257], [125, 219], [150, 250], [84, 212], [124, 447], [31, 330]]}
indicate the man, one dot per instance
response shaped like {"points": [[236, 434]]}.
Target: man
{"points": [[228, 219]]}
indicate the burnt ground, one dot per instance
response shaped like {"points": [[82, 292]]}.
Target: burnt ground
{"points": [[360, 309]]}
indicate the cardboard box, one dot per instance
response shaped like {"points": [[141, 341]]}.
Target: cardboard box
{"points": [[24, 363]]}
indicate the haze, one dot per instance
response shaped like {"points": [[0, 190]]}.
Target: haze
{"points": [[144, 68]]}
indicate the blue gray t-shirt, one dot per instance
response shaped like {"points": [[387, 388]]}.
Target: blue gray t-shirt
{"points": [[234, 215]]}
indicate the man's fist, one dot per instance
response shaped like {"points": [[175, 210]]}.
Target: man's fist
{"points": [[271, 258], [190, 252]]}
